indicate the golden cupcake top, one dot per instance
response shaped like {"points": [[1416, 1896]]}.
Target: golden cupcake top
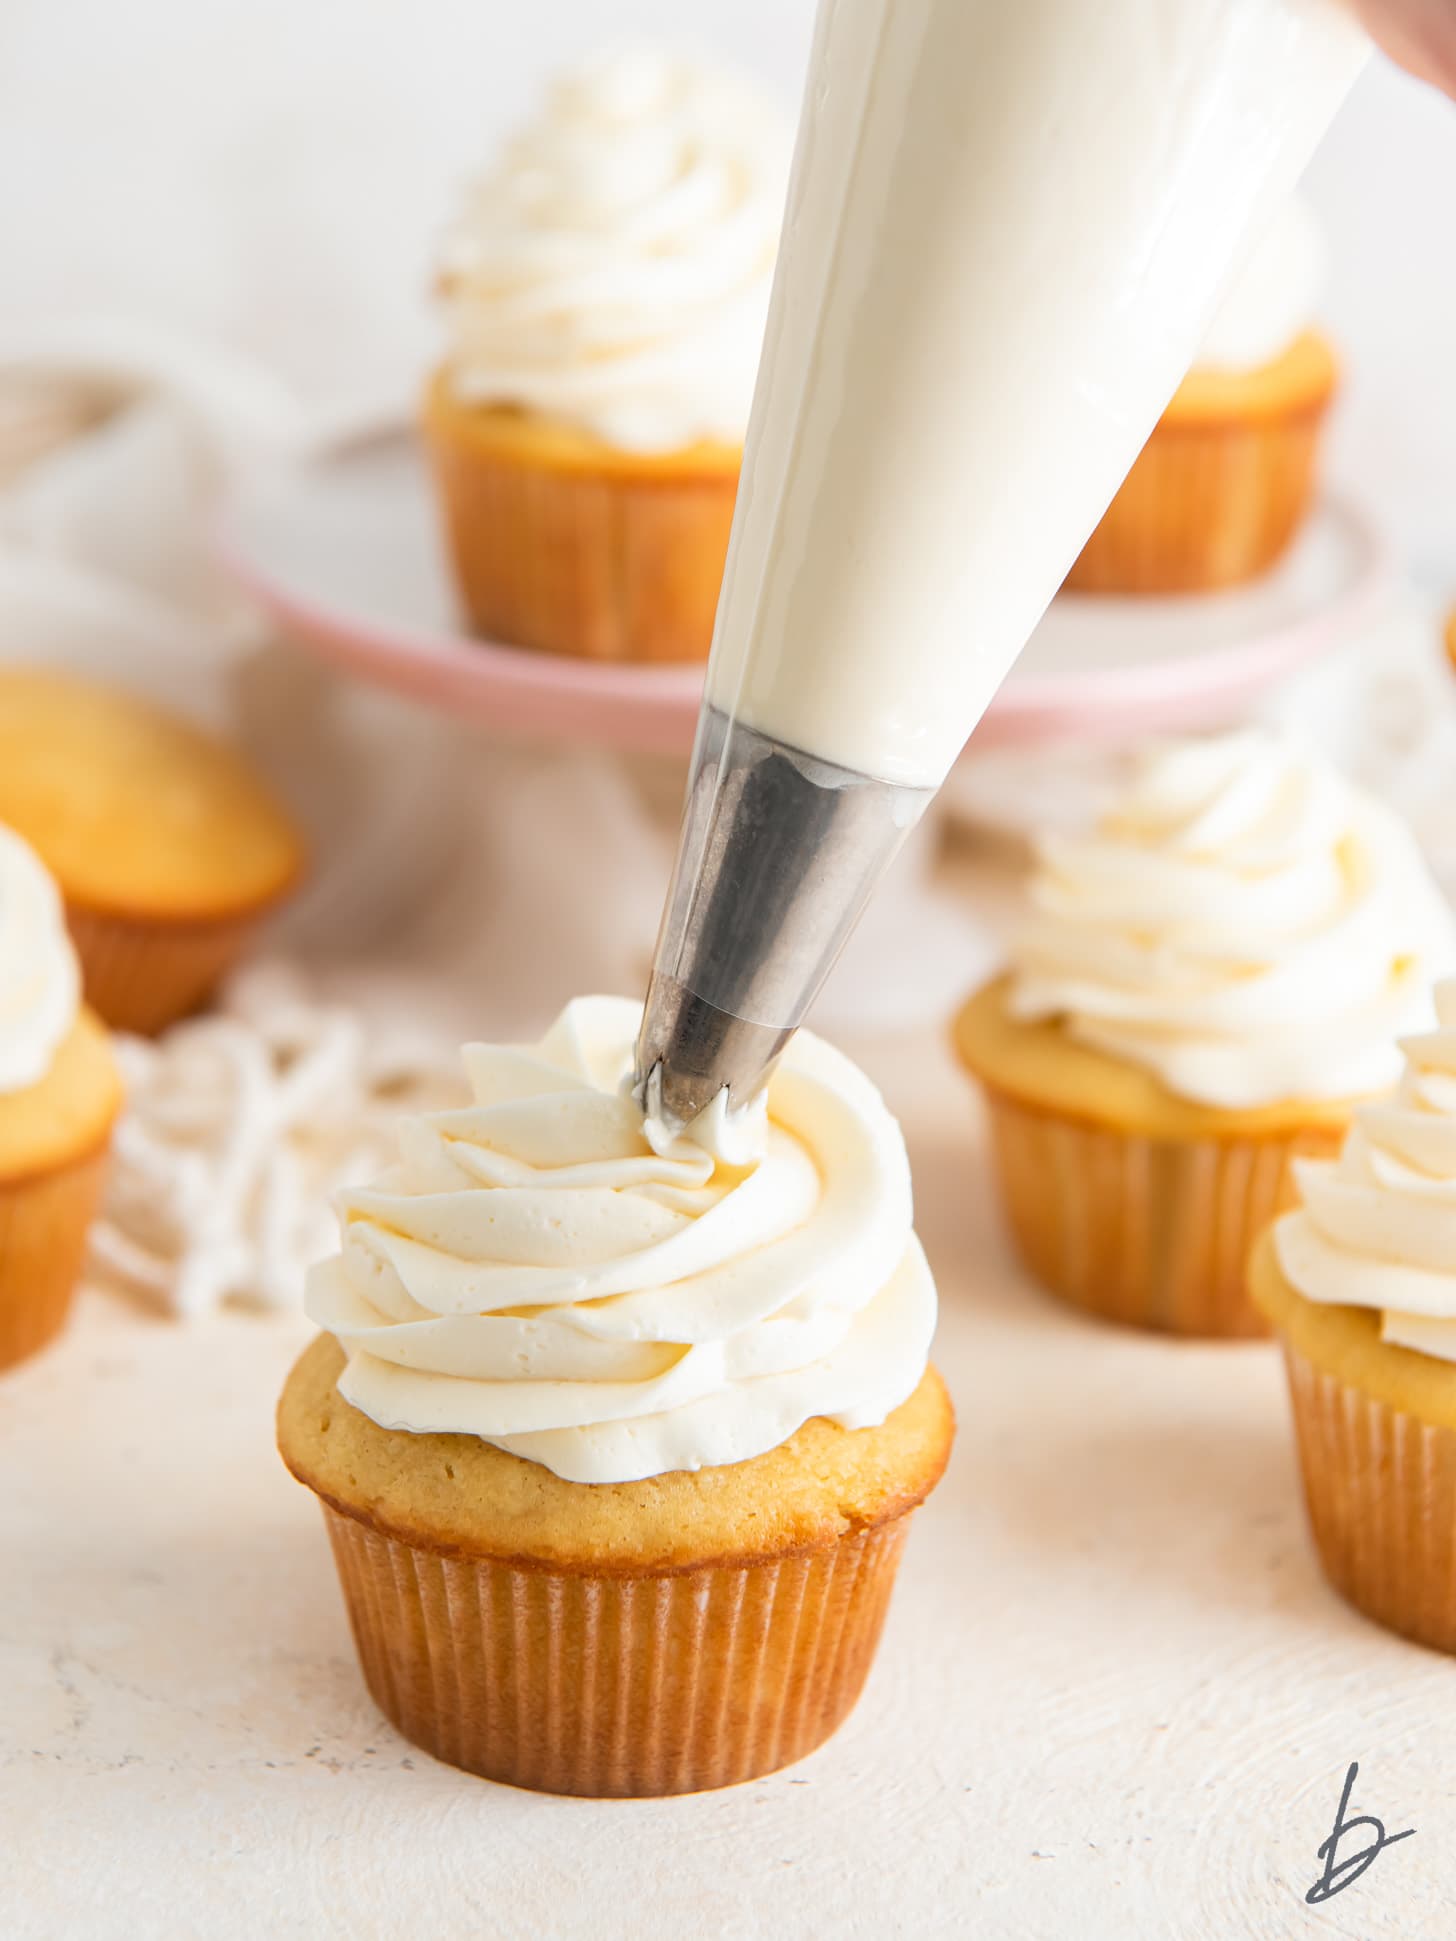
{"points": [[132, 810], [1300, 380], [1347, 1341], [1040, 1063], [461, 1494], [510, 435], [66, 1115]]}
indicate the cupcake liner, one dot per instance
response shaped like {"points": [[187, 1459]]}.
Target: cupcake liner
{"points": [[1380, 1485], [615, 1686], [142, 976], [599, 564], [1205, 505], [43, 1225], [1152, 1232]]}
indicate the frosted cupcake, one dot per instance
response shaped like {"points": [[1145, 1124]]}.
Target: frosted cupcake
{"points": [[605, 291], [1360, 1282], [59, 1096], [1211, 982], [1224, 482], [617, 1441]]}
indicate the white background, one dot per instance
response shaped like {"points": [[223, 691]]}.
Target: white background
{"points": [[272, 174]]}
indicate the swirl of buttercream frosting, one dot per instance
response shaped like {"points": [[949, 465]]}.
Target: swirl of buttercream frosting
{"points": [[1244, 923], [40, 982], [533, 1272], [613, 269], [1377, 1226]]}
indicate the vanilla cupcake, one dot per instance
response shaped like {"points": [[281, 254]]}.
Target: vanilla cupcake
{"points": [[59, 1096], [1360, 1283], [1224, 482], [605, 290], [617, 1441], [1211, 982], [168, 849]]}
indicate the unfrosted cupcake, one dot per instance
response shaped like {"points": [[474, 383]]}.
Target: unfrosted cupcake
{"points": [[617, 1446], [1224, 482], [1210, 983], [59, 1096], [168, 850], [605, 291], [1360, 1283]]}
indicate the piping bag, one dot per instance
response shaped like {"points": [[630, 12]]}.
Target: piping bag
{"points": [[1007, 230]]}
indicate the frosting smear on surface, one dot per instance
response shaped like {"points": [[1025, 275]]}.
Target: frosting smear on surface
{"points": [[1378, 1225], [533, 1272], [1244, 923]]}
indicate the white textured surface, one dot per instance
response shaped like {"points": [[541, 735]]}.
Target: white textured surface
{"points": [[1114, 1698]]}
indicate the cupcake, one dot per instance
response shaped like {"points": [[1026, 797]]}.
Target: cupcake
{"points": [[605, 290], [59, 1096], [1224, 482], [617, 1443], [167, 849], [1359, 1281], [1209, 984]]}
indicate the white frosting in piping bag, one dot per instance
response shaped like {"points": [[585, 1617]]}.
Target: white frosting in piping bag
{"points": [[613, 269], [1006, 234], [533, 1273], [40, 982], [1378, 1225], [1244, 922]]}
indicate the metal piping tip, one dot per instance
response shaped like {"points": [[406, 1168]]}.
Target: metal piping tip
{"points": [[690, 1052], [779, 852]]}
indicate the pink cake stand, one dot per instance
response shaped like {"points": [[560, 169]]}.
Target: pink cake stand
{"points": [[344, 554]]}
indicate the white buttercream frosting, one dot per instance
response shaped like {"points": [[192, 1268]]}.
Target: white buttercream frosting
{"points": [[1377, 1227], [40, 982], [1244, 923], [532, 1272], [613, 269], [1272, 296]]}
